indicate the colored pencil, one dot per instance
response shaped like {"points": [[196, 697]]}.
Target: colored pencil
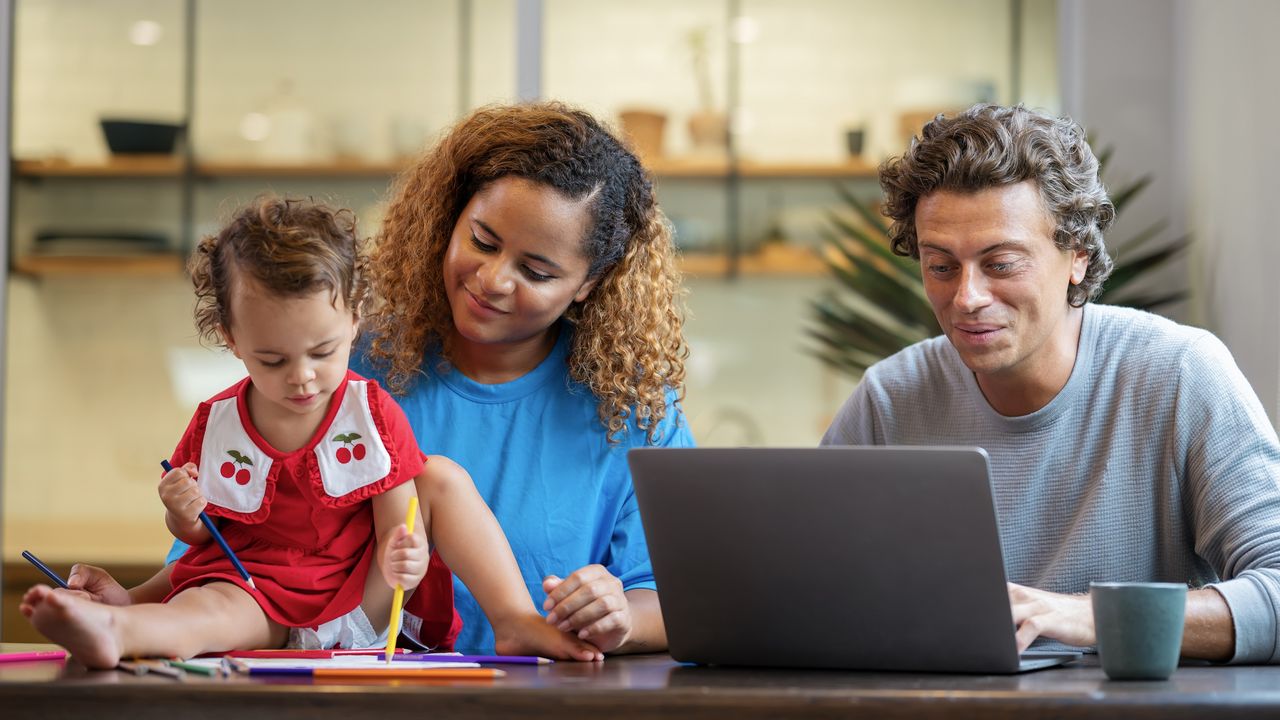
{"points": [[397, 600], [379, 671], [139, 666], [310, 654], [217, 536], [34, 656], [44, 568], [192, 667], [490, 659]]}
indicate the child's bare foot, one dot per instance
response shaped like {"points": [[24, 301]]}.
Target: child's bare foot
{"points": [[533, 636], [85, 628]]}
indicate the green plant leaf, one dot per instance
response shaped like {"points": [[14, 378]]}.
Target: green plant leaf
{"points": [[339, 438], [1120, 198], [352, 437]]}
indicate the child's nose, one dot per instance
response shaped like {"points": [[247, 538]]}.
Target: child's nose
{"points": [[302, 375]]}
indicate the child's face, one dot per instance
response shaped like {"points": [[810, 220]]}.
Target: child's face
{"points": [[296, 349], [515, 262]]}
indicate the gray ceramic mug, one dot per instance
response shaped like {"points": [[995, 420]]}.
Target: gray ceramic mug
{"points": [[1139, 628]]}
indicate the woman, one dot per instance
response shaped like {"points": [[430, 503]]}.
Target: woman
{"points": [[529, 326]]}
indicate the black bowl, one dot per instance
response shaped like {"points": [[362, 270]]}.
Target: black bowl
{"points": [[137, 136]]}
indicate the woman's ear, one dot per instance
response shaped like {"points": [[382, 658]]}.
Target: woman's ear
{"points": [[585, 290]]}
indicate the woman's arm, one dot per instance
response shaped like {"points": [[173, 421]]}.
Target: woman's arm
{"points": [[472, 544]]}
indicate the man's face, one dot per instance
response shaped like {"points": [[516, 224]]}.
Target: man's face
{"points": [[998, 284]]}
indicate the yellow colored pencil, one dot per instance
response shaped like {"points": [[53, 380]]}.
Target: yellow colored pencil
{"points": [[397, 599]]}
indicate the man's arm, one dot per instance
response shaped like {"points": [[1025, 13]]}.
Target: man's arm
{"points": [[1208, 634], [1210, 631]]}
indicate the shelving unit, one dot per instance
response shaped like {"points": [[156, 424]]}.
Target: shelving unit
{"points": [[773, 260], [141, 166]]}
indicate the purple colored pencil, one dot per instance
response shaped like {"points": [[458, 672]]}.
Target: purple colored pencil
{"points": [[492, 659], [217, 536]]}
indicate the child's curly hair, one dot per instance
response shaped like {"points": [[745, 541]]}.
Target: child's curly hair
{"points": [[628, 346], [290, 247]]}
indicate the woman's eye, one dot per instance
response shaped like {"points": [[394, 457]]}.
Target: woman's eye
{"points": [[321, 356], [535, 275], [272, 363], [481, 245]]}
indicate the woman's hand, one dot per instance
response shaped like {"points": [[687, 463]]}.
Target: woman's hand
{"points": [[94, 583], [591, 604]]}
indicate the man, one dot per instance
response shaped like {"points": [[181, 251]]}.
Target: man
{"points": [[1123, 446]]}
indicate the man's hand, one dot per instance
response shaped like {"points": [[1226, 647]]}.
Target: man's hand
{"points": [[589, 603], [96, 584], [1065, 618]]}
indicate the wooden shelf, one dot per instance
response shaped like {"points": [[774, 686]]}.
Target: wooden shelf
{"points": [[125, 166], [694, 167], [770, 260], [81, 265], [218, 169], [118, 166]]}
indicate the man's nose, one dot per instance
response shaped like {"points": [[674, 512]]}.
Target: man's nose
{"points": [[972, 292]]}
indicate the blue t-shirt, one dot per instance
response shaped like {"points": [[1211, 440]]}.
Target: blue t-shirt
{"points": [[540, 458]]}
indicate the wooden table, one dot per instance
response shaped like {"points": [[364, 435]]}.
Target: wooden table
{"points": [[642, 687]]}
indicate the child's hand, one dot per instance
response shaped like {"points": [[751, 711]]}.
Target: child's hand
{"points": [[181, 495], [404, 557]]}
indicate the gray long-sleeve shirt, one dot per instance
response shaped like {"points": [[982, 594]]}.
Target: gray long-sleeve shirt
{"points": [[1156, 462]]}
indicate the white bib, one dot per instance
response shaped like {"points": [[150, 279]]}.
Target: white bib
{"points": [[233, 471], [352, 455]]}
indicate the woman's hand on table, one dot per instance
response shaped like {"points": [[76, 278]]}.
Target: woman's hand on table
{"points": [[591, 604], [94, 583]]}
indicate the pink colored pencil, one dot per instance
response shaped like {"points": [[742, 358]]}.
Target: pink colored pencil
{"points": [[33, 656]]}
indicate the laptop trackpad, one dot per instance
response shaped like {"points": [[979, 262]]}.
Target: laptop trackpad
{"points": [[1033, 660]]}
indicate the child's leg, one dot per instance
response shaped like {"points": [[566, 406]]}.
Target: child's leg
{"points": [[471, 543], [210, 618]]}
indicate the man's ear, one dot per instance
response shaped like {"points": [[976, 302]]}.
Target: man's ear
{"points": [[1079, 266], [586, 289]]}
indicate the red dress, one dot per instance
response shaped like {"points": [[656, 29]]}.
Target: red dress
{"points": [[301, 522]]}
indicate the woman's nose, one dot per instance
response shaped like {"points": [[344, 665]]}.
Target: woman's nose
{"points": [[495, 278]]}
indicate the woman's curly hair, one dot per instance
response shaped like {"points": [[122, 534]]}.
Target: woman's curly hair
{"points": [[288, 246], [992, 146], [628, 346]]}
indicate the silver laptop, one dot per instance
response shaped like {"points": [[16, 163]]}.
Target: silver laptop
{"points": [[870, 558]]}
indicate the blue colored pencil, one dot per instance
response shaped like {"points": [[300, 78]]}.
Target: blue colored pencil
{"points": [[44, 568], [217, 536]]}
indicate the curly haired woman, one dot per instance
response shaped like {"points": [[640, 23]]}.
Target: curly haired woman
{"points": [[529, 325]]}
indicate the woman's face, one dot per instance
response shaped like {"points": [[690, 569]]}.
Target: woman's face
{"points": [[515, 262]]}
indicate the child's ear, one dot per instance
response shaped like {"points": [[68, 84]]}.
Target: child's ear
{"points": [[229, 340]]}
